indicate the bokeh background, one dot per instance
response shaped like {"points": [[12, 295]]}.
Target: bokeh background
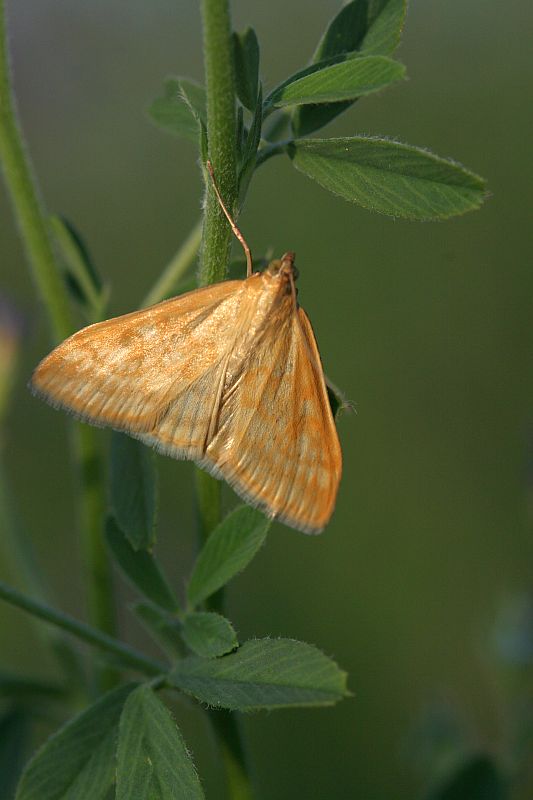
{"points": [[419, 585]]}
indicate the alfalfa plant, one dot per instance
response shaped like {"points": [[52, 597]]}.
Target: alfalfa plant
{"points": [[125, 743]]}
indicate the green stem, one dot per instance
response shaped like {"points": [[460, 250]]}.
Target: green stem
{"points": [[101, 610], [22, 188], [227, 729], [166, 283], [82, 631], [209, 503], [215, 251], [277, 126], [270, 150], [221, 135], [33, 223]]}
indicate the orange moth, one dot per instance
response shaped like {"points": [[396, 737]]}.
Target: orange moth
{"points": [[228, 376]]}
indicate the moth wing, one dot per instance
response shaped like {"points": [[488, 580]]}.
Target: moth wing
{"points": [[150, 373], [276, 441]]}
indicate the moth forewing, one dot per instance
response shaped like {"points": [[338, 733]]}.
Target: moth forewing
{"points": [[228, 376]]}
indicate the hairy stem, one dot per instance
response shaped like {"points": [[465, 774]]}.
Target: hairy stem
{"points": [[91, 500], [208, 502], [86, 633], [29, 212], [215, 251], [221, 135]]}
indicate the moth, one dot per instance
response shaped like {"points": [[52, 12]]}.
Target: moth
{"points": [[228, 376]]}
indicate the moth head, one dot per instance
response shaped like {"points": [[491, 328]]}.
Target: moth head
{"points": [[283, 267]]}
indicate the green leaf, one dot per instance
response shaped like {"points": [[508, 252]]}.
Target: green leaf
{"points": [[81, 275], [153, 762], [209, 634], [228, 550], [385, 24], [133, 489], [161, 626], [360, 27], [203, 144], [389, 177], [241, 132], [179, 108], [343, 36], [250, 148], [141, 568], [262, 674], [345, 31], [477, 779], [14, 736], [345, 81], [246, 60], [77, 762]]}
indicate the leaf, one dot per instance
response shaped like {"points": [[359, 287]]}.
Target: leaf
{"points": [[203, 144], [342, 36], [371, 28], [250, 148], [163, 628], [179, 108], [246, 60], [94, 780], [209, 634], [153, 762], [133, 489], [389, 177], [477, 779], [385, 24], [14, 736], [345, 81], [81, 275], [140, 567], [76, 763], [344, 32], [228, 550], [241, 132], [262, 674]]}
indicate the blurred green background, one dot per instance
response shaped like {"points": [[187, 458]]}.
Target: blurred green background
{"points": [[426, 327]]}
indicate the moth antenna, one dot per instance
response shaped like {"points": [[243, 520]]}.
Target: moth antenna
{"points": [[234, 228]]}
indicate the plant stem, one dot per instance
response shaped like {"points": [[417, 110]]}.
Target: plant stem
{"points": [[82, 631], [215, 251], [277, 126], [167, 281], [208, 500], [22, 187], [270, 150], [216, 234], [227, 728], [221, 135], [33, 223], [92, 506]]}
